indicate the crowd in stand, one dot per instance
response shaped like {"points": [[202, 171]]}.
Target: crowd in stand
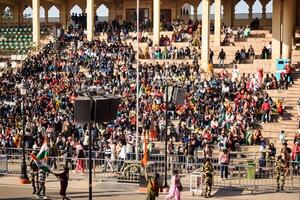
{"points": [[218, 109]]}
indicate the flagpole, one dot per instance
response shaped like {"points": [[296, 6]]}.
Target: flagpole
{"points": [[137, 79]]}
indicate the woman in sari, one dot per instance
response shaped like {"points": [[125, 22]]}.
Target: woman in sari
{"points": [[152, 187], [174, 192]]}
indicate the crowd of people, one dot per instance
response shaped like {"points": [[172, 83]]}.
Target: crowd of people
{"points": [[218, 109]]}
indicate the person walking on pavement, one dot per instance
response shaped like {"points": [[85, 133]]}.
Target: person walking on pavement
{"points": [[175, 188], [152, 187], [42, 188], [64, 178], [34, 175], [208, 175]]}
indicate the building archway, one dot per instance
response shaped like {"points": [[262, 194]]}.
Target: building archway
{"points": [[27, 13], [241, 10], [269, 10], [53, 14], [102, 13], [42, 14], [257, 10], [187, 10], [76, 10], [7, 13]]}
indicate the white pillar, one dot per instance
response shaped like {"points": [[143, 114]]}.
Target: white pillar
{"points": [[63, 13], [90, 19], [156, 22], [205, 33], [36, 22], [276, 33], [289, 10], [227, 13], [217, 39], [46, 14]]}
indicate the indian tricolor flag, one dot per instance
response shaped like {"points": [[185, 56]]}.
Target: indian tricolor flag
{"points": [[44, 151], [39, 164]]}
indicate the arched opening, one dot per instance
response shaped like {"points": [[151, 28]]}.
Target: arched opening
{"points": [[102, 13], [241, 10], [257, 10], [187, 10], [42, 14], [76, 10], [53, 14], [269, 10], [212, 11], [7, 13], [27, 13]]}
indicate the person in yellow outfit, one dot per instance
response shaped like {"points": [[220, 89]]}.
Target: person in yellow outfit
{"points": [[210, 71]]}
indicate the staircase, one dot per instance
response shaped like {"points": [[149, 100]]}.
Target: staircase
{"points": [[289, 121]]}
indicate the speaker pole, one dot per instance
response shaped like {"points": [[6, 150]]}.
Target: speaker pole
{"points": [[166, 136], [90, 161], [137, 79]]}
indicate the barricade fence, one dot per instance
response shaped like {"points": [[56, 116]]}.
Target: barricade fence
{"points": [[255, 175]]}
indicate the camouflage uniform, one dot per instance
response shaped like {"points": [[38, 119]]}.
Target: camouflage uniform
{"points": [[279, 173], [208, 175]]}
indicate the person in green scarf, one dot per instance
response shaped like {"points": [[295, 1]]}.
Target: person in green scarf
{"points": [[152, 187]]}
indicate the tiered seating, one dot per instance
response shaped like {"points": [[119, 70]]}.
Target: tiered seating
{"points": [[16, 40]]}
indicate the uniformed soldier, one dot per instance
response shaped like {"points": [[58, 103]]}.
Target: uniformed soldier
{"points": [[279, 173], [34, 175], [208, 177]]}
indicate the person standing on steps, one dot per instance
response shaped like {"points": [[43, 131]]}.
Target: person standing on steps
{"points": [[221, 57]]}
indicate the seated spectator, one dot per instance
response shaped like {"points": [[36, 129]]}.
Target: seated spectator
{"points": [[246, 32]]}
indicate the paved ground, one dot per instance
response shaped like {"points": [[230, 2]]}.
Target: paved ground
{"points": [[10, 189]]}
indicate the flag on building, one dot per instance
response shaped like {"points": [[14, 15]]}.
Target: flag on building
{"points": [[39, 164]]}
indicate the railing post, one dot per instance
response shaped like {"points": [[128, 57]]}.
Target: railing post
{"points": [[94, 170]]}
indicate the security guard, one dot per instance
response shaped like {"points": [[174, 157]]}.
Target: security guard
{"points": [[279, 173], [208, 175]]}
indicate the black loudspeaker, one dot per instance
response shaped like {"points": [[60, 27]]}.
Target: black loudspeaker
{"points": [[100, 109], [114, 105], [82, 109], [105, 108], [179, 95]]}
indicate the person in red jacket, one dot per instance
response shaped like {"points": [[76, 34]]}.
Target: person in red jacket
{"points": [[265, 108]]}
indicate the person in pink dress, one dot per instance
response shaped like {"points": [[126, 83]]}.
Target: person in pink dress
{"points": [[80, 158], [176, 187]]}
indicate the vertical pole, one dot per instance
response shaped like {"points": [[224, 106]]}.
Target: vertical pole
{"points": [[166, 133], [23, 177], [90, 161], [137, 79]]}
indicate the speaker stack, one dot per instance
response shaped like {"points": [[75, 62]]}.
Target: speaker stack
{"points": [[96, 109]]}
